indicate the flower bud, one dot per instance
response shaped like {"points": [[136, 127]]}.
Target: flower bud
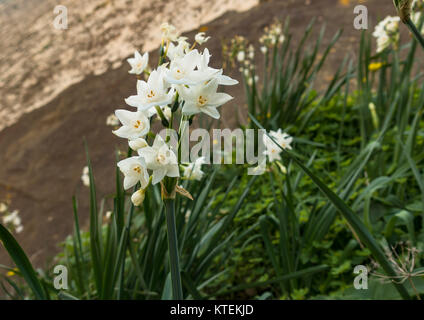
{"points": [[137, 144], [138, 197]]}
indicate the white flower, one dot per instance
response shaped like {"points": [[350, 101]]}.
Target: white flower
{"points": [[85, 177], [194, 170], [134, 124], [138, 63], [200, 38], [211, 73], [169, 32], [3, 207], [14, 220], [167, 111], [387, 33], [137, 197], [264, 49], [137, 144], [281, 39], [241, 56], [251, 52], [203, 98], [112, 120], [160, 159], [151, 93], [273, 150], [179, 51], [134, 170], [251, 79], [108, 215], [182, 70]]}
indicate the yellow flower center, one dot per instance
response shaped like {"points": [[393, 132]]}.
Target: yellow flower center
{"points": [[138, 124], [137, 169], [151, 94], [201, 101]]}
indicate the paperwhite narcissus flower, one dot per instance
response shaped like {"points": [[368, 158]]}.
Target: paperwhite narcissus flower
{"points": [[151, 93], [194, 170], [3, 207], [203, 67], [134, 124], [203, 98], [137, 144], [182, 70], [387, 33], [85, 177], [200, 38], [161, 160], [167, 111], [134, 170], [138, 63], [273, 150], [241, 56], [14, 220], [137, 197], [112, 120], [169, 32], [174, 52]]}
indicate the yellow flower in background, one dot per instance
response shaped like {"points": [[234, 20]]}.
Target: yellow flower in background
{"points": [[374, 66]]}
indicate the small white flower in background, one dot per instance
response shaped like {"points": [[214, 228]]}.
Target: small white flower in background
{"points": [[160, 159], [134, 170], [137, 144], [200, 38], [3, 207], [387, 33], [138, 63], [151, 93], [251, 52], [281, 39], [137, 197], [108, 215], [85, 177], [12, 219], [264, 49], [250, 80], [273, 150], [112, 120], [203, 98], [187, 215], [169, 32], [134, 124], [194, 170], [241, 56]]}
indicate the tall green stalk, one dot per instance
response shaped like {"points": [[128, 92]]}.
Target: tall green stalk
{"points": [[177, 291]]}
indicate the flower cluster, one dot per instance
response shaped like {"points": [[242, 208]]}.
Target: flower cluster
{"points": [[11, 219], [387, 33], [272, 150], [183, 84], [272, 36]]}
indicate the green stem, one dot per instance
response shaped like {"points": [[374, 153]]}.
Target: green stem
{"points": [[415, 32], [177, 291]]}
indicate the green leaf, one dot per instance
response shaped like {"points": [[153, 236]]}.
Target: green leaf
{"points": [[22, 262]]}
